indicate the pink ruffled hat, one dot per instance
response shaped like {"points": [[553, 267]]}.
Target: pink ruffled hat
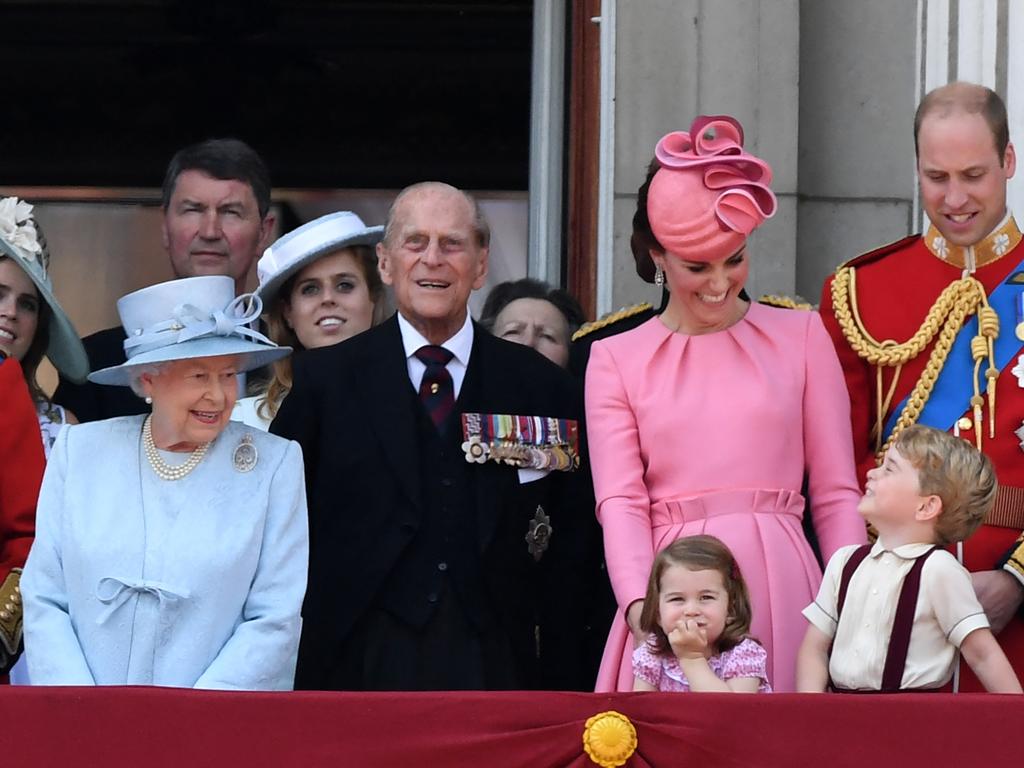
{"points": [[710, 193]]}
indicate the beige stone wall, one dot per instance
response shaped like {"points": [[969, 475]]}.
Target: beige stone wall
{"points": [[676, 59]]}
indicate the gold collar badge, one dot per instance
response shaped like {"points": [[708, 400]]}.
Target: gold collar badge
{"points": [[998, 243]]}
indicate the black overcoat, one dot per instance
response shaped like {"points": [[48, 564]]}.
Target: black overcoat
{"points": [[351, 409]]}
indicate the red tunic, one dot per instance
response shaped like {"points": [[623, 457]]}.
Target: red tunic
{"points": [[896, 286], [21, 472]]}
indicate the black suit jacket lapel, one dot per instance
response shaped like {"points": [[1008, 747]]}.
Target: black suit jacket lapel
{"points": [[382, 381]]}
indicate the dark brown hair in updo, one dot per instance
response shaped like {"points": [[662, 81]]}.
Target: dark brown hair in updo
{"points": [[643, 240]]}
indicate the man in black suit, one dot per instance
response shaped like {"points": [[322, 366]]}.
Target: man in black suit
{"points": [[428, 570], [217, 221]]}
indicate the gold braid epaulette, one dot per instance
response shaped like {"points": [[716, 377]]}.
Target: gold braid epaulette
{"points": [[611, 317], [957, 301], [1015, 561], [783, 302], [10, 616]]}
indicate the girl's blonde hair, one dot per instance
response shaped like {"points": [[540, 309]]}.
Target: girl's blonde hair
{"points": [[698, 553]]}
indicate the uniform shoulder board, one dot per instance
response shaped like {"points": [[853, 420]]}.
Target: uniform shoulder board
{"points": [[878, 253], [610, 318], [784, 302]]}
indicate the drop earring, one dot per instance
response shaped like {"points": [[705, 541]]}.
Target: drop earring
{"points": [[659, 276], [149, 400]]}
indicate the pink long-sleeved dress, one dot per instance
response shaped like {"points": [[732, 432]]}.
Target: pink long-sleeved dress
{"points": [[712, 434]]}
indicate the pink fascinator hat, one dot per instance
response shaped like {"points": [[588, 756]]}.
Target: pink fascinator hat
{"points": [[710, 193]]}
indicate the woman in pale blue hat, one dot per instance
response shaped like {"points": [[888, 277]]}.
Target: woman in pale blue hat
{"points": [[320, 285], [171, 548], [32, 323]]}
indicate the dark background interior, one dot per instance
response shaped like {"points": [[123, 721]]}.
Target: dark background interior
{"points": [[332, 94]]}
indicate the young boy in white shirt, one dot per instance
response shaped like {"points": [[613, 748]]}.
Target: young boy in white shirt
{"points": [[890, 616]]}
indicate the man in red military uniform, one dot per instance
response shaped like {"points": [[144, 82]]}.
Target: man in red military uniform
{"points": [[930, 329], [21, 472]]}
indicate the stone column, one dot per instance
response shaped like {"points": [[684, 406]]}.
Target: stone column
{"points": [[676, 59]]}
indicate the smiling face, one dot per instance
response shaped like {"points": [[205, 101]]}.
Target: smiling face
{"points": [[433, 260], [704, 296], [19, 309], [699, 596], [329, 301], [192, 400], [892, 492], [213, 227], [536, 323], [963, 183]]}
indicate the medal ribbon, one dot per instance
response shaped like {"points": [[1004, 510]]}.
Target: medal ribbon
{"points": [[540, 442]]}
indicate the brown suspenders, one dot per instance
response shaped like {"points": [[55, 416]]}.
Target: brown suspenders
{"points": [[903, 622]]}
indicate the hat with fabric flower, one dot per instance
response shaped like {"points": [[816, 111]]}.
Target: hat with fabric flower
{"points": [[304, 245], [188, 318], [710, 193], [23, 243]]}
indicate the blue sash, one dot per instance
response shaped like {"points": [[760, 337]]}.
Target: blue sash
{"points": [[954, 386]]}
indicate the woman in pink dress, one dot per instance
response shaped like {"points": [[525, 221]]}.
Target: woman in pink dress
{"points": [[705, 418]]}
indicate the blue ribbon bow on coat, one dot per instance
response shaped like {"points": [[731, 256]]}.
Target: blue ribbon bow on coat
{"points": [[114, 592]]}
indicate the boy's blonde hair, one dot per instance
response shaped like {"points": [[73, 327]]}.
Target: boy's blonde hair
{"points": [[955, 471]]}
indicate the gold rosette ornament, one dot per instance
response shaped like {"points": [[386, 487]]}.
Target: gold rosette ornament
{"points": [[609, 738]]}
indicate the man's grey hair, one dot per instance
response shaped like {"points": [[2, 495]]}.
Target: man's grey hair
{"points": [[480, 225]]}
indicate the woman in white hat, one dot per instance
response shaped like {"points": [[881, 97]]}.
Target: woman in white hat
{"points": [[32, 323], [171, 549], [320, 286]]}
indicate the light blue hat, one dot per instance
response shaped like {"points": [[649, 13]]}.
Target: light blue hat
{"points": [[21, 241], [188, 318], [305, 244]]}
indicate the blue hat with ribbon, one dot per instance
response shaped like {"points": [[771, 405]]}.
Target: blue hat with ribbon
{"points": [[188, 318]]}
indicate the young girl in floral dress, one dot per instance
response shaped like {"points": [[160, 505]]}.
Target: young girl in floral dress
{"points": [[697, 614]]}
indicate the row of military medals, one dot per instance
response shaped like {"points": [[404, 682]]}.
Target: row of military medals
{"points": [[525, 442]]}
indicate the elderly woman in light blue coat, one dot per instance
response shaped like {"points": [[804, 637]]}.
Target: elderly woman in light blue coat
{"points": [[171, 549]]}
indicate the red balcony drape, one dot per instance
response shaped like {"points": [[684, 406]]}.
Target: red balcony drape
{"points": [[114, 727]]}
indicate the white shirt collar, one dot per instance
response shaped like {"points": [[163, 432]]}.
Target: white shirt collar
{"points": [[1001, 224], [906, 551], [459, 345]]}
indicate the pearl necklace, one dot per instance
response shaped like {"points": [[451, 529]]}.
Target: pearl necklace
{"points": [[164, 470]]}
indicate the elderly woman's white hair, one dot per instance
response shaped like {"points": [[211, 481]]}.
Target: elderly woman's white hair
{"points": [[153, 369]]}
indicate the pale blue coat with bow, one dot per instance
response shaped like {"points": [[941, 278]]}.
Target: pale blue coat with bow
{"points": [[135, 580]]}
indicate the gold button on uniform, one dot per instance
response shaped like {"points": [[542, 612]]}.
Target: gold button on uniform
{"points": [[434, 387], [965, 423]]}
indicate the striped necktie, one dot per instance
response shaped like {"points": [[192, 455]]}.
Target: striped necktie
{"points": [[436, 390]]}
